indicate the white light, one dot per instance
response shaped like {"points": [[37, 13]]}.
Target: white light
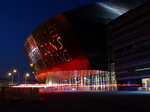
{"points": [[73, 89], [142, 69], [15, 70], [117, 10]]}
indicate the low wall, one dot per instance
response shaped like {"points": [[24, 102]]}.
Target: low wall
{"points": [[24, 94]]}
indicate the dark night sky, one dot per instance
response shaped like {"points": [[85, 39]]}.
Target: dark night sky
{"points": [[20, 17]]}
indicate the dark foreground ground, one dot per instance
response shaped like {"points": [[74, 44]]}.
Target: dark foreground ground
{"points": [[110, 101]]}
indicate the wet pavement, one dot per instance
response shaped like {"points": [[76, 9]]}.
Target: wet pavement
{"points": [[109, 101]]}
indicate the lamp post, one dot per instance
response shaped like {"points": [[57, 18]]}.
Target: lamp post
{"points": [[10, 74], [18, 75], [27, 75]]}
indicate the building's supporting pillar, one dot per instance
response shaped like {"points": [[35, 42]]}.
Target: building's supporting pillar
{"points": [[105, 81], [91, 81], [100, 82], [70, 82], [96, 80], [61, 84], [93, 84], [81, 78], [77, 79]]}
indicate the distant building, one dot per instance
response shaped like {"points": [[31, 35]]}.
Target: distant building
{"points": [[74, 47], [4, 82]]}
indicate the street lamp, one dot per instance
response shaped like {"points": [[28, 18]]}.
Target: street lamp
{"points": [[27, 75], [18, 75], [10, 74]]}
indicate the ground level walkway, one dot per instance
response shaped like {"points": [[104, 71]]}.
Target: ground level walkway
{"points": [[104, 101]]}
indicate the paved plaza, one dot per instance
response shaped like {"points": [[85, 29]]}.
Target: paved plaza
{"points": [[105, 101]]}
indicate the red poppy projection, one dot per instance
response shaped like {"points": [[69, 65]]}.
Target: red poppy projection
{"points": [[53, 46]]}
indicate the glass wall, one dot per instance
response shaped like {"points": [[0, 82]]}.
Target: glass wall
{"points": [[89, 79]]}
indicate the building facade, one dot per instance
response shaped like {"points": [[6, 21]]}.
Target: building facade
{"points": [[131, 42], [74, 48]]}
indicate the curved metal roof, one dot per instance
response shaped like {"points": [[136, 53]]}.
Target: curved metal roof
{"points": [[109, 9]]}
